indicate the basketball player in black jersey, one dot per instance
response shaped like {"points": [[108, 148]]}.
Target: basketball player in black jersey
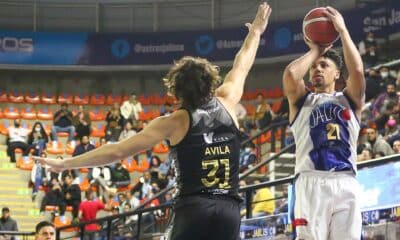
{"points": [[205, 142]]}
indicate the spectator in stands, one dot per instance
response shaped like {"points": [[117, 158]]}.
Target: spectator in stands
{"points": [[63, 123], [83, 147], [392, 130], [368, 49], [155, 163], [127, 131], [144, 185], [241, 113], [263, 202], [262, 116], [37, 139], [45, 230], [247, 156], [165, 165], [7, 223], [381, 119], [396, 146], [131, 109], [39, 177], [17, 138], [386, 77], [283, 112], [120, 176], [82, 122], [54, 197], [365, 155], [132, 199], [114, 123], [102, 179], [377, 143], [72, 194], [88, 210], [379, 105], [372, 81], [129, 220]]}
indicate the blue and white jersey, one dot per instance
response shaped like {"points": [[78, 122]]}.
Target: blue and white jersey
{"points": [[325, 130]]}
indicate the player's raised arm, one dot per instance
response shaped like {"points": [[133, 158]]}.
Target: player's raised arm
{"points": [[159, 129], [293, 82], [355, 82], [232, 88]]}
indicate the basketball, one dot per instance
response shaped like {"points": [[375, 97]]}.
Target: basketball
{"points": [[318, 28]]}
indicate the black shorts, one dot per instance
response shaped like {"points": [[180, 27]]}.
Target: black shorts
{"points": [[205, 217]]}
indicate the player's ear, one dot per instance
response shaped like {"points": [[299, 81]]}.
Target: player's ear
{"points": [[337, 75]]}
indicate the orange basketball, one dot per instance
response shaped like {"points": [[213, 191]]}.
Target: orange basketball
{"points": [[318, 28]]}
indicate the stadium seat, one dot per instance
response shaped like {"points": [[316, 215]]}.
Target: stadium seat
{"points": [[65, 98], [84, 185], [3, 96], [143, 166], [250, 109], [98, 130], [1, 113], [11, 113], [25, 163], [4, 125], [130, 164], [32, 98], [113, 98], [28, 113], [45, 114], [125, 188], [97, 115], [16, 97], [144, 99], [146, 114], [70, 148], [57, 150], [51, 208], [97, 99], [84, 170], [49, 98], [157, 99], [61, 221], [160, 148], [81, 99]]}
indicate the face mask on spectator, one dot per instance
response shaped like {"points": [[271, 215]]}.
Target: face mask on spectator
{"points": [[370, 39], [17, 125], [392, 94], [384, 74], [247, 150], [37, 129]]}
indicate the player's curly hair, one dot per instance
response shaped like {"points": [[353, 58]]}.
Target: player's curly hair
{"points": [[335, 57], [192, 80]]}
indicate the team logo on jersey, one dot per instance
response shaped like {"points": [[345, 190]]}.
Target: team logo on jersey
{"points": [[210, 137], [328, 112]]}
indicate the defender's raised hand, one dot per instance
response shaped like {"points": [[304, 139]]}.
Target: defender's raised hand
{"points": [[260, 22]]}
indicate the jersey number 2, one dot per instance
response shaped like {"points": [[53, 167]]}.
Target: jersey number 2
{"points": [[333, 131], [212, 179]]}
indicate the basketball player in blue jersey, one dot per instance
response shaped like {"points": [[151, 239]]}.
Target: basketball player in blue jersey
{"points": [[205, 142], [325, 125]]}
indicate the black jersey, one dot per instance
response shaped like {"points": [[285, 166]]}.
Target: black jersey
{"points": [[207, 159]]}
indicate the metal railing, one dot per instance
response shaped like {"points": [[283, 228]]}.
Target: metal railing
{"points": [[24, 235]]}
